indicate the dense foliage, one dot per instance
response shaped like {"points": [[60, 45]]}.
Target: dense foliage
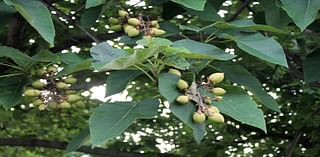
{"points": [[178, 78]]}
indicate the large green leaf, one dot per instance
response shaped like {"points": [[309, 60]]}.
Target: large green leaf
{"points": [[108, 58], [209, 13], [238, 105], [89, 16], [82, 138], [274, 14], [310, 67], [111, 119], [117, 81], [302, 12], [168, 89], [247, 25], [103, 54], [38, 16], [195, 4], [11, 89], [238, 74], [201, 50], [262, 47], [4, 8], [93, 3], [17, 56]]}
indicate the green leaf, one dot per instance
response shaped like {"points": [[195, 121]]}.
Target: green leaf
{"points": [[76, 142], [202, 50], [310, 67], [93, 3], [108, 58], [38, 16], [117, 81], [274, 14], [75, 67], [209, 13], [46, 56], [195, 4], [154, 42], [11, 89], [247, 25], [189, 28], [17, 56], [177, 62], [4, 8], [262, 47], [111, 119], [238, 74], [168, 89], [303, 13], [238, 105], [89, 16]]}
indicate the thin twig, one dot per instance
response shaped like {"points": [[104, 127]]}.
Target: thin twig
{"points": [[292, 144], [239, 11]]}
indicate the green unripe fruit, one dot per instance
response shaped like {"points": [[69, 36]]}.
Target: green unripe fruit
{"points": [[70, 80], [53, 104], [216, 77], [216, 118], [65, 105], [37, 102], [52, 69], [113, 21], [198, 117], [134, 21], [80, 104], [175, 72], [157, 26], [122, 13], [38, 84], [218, 91], [182, 84], [116, 28], [182, 99], [71, 92], [32, 92], [62, 85], [158, 32], [133, 32], [40, 72], [73, 98], [211, 110], [42, 107], [154, 22], [126, 28]]}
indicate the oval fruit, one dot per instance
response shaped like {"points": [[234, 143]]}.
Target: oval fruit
{"points": [[37, 102], [182, 84], [216, 118], [70, 80], [73, 98], [122, 13], [133, 32], [175, 72], [182, 99], [52, 69], [216, 77], [198, 117], [32, 92], [65, 105], [38, 84], [62, 85], [211, 110], [116, 28], [134, 21], [113, 21], [218, 91]]}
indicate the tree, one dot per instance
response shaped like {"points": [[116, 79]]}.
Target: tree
{"points": [[204, 78]]}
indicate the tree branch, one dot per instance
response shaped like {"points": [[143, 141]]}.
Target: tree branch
{"points": [[69, 19], [239, 11], [62, 146], [292, 144]]}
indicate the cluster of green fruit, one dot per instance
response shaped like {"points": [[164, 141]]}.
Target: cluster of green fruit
{"points": [[204, 103], [47, 91], [132, 26]]}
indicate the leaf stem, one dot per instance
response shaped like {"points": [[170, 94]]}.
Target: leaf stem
{"points": [[9, 75], [145, 72]]}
